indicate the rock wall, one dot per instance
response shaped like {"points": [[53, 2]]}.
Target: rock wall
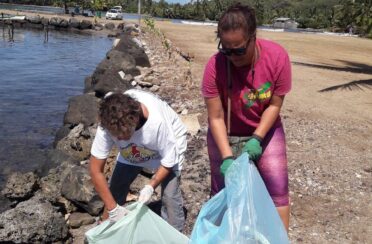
{"points": [[60, 23], [64, 196]]}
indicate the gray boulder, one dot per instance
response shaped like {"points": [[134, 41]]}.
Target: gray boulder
{"points": [[20, 186], [58, 22], [109, 74], [98, 27], [62, 133], [33, 221], [51, 184], [79, 219], [54, 21], [45, 21], [77, 143], [108, 79], [130, 26], [64, 23], [130, 29], [120, 26], [78, 188], [129, 46], [34, 19], [110, 26], [88, 87], [86, 24], [74, 23], [5, 203], [82, 109], [120, 60]]}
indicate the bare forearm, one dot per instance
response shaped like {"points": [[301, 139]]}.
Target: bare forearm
{"points": [[219, 132], [159, 176], [218, 126], [96, 167], [269, 116]]}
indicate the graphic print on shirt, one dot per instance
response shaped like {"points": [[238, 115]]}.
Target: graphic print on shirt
{"points": [[138, 154], [250, 96]]}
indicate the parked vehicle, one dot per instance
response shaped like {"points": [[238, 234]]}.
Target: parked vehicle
{"points": [[80, 11], [285, 23], [88, 13], [114, 14], [118, 8]]}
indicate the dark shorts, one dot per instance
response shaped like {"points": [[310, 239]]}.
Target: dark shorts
{"points": [[172, 201]]}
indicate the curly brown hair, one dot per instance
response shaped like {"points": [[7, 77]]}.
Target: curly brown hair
{"points": [[238, 16], [119, 114]]}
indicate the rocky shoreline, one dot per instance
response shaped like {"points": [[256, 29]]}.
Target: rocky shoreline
{"points": [[328, 142], [59, 203], [46, 22]]}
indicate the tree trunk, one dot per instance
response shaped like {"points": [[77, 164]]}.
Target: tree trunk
{"points": [[65, 5]]}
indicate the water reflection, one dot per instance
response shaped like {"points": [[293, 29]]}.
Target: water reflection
{"points": [[36, 81], [10, 35]]}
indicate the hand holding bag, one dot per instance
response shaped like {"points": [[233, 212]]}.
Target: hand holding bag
{"points": [[140, 225], [243, 212]]}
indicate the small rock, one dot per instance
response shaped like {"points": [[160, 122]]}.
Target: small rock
{"points": [[20, 186], [78, 219], [122, 74], [154, 88]]}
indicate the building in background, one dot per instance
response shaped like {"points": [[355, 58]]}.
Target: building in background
{"points": [[285, 23]]}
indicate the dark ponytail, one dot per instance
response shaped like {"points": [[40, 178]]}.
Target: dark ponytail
{"points": [[236, 17]]}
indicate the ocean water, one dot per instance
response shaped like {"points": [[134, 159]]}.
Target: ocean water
{"points": [[36, 81]]}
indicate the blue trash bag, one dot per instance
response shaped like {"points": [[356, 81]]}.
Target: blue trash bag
{"points": [[140, 225], [242, 213]]}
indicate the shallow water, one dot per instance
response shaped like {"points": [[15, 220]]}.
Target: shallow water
{"points": [[36, 81]]}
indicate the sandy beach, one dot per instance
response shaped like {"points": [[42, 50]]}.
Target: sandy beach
{"points": [[327, 118], [319, 62]]}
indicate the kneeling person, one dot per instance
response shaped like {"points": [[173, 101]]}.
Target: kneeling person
{"points": [[148, 134]]}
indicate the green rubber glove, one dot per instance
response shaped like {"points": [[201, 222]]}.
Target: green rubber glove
{"points": [[226, 164], [253, 148]]}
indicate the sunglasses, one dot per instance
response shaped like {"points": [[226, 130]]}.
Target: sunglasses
{"points": [[230, 51]]}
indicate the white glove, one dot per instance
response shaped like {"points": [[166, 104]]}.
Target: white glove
{"points": [[117, 213], [145, 194]]}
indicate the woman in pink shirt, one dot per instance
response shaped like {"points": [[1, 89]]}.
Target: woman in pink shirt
{"points": [[244, 85]]}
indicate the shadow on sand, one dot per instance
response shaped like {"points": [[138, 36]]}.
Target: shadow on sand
{"points": [[351, 86], [352, 67]]}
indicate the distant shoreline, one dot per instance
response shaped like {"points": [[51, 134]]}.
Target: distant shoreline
{"points": [[37, 20]]}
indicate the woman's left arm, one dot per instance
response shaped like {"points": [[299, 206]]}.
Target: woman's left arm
{"points": [[269, 116]]}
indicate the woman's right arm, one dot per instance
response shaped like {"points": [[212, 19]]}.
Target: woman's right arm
{"points": [[96, 167], [218, 126]]}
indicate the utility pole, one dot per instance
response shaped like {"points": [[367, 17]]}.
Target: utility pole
{"points": [[139, 13]]}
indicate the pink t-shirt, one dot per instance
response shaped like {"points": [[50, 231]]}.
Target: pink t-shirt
{"points": [[249, 97]]}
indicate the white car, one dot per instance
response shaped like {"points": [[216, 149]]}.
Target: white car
{"points": [[114, 14], [118, 8]]}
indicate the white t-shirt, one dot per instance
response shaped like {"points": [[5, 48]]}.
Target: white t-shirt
{"points": [[161, 140]]}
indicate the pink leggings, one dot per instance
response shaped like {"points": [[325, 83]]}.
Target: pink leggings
{"points": [[272, 166]]}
